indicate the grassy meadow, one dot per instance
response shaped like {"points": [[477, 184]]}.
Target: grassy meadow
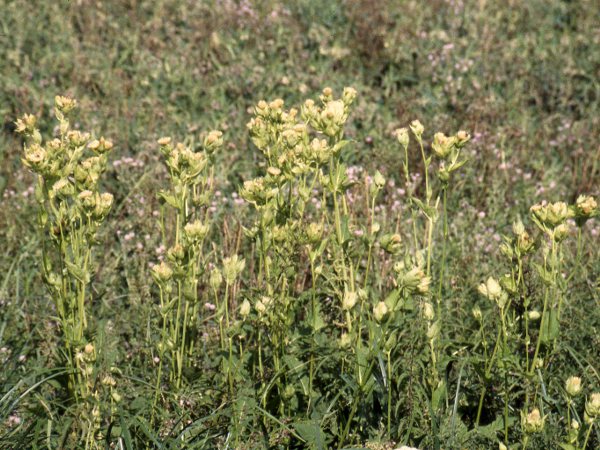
{"points": [[346, 224]]}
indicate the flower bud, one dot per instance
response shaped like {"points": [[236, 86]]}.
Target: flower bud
{"points": [[348, 95], [592, 406], [561, 232], [314, 232], [391, 243], [518, 228], [402, 137], [260, 307], [476, 312], [245, 309], [345, 340], [427, 309], [417, 128], [176, 253], [379, 311], [423, 286], [349, 300], [462, 136], [534, 315], [215, 279], [490, 289], [379, 180], [100, 146]]}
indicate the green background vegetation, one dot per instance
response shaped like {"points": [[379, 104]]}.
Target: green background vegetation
{"points": [[523, 77]]}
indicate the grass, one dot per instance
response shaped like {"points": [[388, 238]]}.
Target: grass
{"points": [[374, 289]]}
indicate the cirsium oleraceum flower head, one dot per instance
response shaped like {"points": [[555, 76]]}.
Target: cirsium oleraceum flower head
{"points": [[532, 422], [573, 386]]}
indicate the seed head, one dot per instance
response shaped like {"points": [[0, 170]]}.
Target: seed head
{"points": [[35, 156], [104, 202]]}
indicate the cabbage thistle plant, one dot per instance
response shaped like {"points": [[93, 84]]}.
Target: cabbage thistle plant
{"points": [[528, 320], [71, 209], [191, 181]]}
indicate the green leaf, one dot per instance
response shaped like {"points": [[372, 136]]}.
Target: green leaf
{"points": [[169, 199], [550, 326], [313, 435], [78, 272], [437, 396]]}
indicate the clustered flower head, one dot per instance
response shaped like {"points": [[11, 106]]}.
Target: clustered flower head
{"points": [[551, 218], [413, 280], [573, 386], [533, 422], [592, 408], [391, 243], [492, 290], [232, 268], [584, 209], [66, 175]]}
